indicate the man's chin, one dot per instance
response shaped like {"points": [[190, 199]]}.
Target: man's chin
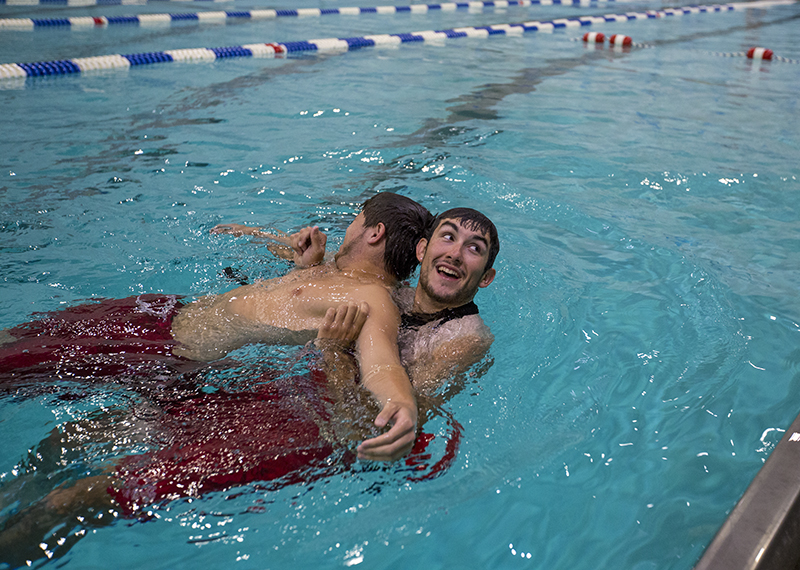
{"points": [[449, 298], [444, 295]]}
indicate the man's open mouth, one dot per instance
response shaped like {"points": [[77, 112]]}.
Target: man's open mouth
{"points": [[447, 272]]}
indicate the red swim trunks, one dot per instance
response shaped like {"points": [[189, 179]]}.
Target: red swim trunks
{"points": [[276, 431], [222, 440], [108, 338]]}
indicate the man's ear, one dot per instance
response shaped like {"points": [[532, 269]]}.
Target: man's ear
{"points": [[422, 247], [376, 233], [487, 278]]}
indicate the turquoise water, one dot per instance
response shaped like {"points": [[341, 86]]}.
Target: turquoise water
{"points": [[645, 309]]}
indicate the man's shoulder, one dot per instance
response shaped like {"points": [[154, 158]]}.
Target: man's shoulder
{"points": [[372, 291], [308, 273], [470, 328], [404, 298], [471, 324]]}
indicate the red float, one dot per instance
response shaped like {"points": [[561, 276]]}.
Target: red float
{"points": [[759, 53], [594, 37], [620, 40]]}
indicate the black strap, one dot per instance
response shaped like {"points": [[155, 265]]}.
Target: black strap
{"points": [[416, 320]]}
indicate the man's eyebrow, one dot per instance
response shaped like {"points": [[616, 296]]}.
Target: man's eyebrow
{"points": [[478, 236]]}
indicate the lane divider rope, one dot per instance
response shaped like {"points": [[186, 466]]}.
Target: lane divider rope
{"points": [[756, 53], [619, 42], [333, 45], [79, 3], [614, 41], [217, 17]]}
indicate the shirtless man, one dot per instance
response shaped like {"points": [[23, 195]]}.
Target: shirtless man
{"points": [[376, 253]]}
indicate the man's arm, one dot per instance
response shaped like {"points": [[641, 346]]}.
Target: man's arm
{"points": [[243, 230], [305, 248], [384, 376], [448, 360]]}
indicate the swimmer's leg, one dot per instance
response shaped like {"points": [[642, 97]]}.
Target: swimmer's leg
{"points": [[50, 527], [49, 505]]}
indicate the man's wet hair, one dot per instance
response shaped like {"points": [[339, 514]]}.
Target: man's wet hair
{"points": [[472, 220], [406, 223]]}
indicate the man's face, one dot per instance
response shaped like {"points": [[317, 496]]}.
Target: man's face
{"points": [[452, 264]]}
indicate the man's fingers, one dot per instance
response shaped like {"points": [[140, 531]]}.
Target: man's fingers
{"points": [[300, 240], [318, 238], [381, 454], [329, 319], [350, 313], [224, 229], [355, 319], [340, 324], [345, 321], [396, 442], [390, 446], [357, 314]]}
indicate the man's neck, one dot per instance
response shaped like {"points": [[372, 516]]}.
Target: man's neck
{"points": [[366, 268], [416, 318], [425, 305]]}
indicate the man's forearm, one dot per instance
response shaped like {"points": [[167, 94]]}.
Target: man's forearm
{"points": [[338, 363], [398, 410], [390, 383]]}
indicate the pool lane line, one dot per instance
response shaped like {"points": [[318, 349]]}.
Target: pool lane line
{"points": [[81, 3], [216, 17], [619, 40], [340, 45], [756, 53]]}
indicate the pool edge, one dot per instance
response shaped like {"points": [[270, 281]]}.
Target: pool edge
{"points": [[763, 530]]}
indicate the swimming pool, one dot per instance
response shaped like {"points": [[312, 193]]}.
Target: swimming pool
{"points": [[645, 308]]}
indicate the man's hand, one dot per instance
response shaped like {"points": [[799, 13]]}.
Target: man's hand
{"points": [[342, 325], [309, 246], [396, 442]]}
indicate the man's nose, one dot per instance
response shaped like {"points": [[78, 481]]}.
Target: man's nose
{"points": [[454, 253]]}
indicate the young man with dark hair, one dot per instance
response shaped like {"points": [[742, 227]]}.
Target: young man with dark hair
{"points": [[441, 333]]}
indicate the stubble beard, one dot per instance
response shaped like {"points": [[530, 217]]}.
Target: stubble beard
{"points": [[452, 300], [344, 252]]}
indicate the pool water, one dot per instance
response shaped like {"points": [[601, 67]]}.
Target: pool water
{"points": [[645, 308]]}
